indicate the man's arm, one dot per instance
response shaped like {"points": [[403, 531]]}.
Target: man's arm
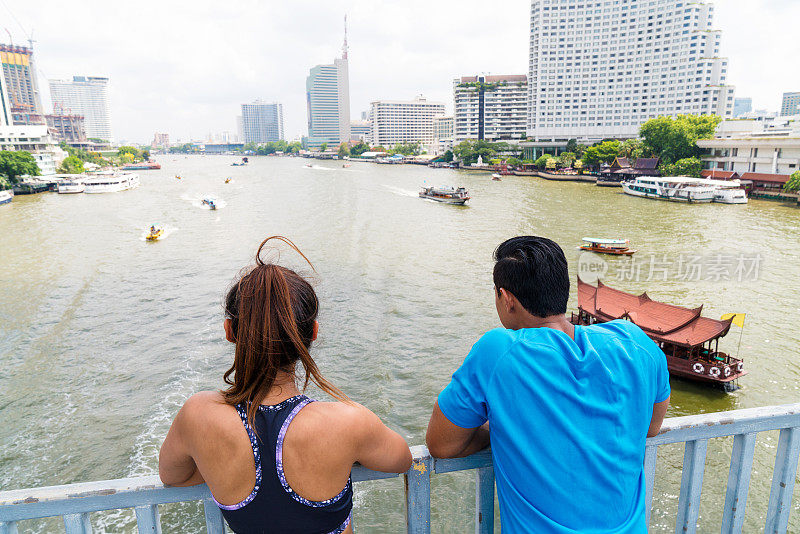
{"points": [[446, 440], [659, 411]]}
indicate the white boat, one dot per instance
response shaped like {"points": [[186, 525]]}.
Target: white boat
{"points": [[675, 188], [728, 191], [6, 197], [496, 177], [71, 186], [111, 183]]}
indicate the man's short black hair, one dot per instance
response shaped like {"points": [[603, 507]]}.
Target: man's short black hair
{"points": [[534, 270]]}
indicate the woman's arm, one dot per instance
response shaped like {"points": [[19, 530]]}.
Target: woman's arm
{"points": [[176, 467], [378, 447]]}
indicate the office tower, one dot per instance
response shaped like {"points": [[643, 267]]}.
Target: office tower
{"points": [[24, 106], [328, 102], [262, 122], [87, 96], [790, 104], [490, 107]]}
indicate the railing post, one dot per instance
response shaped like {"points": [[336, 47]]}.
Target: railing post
{"points": [[418, 495], [780, 496], [147, 519], [8, 527], [694, 460], [650, 456], [78, 524], [738, 483], [215, 523], [484, 500]]}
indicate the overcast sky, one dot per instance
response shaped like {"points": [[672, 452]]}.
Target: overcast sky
{"points": [[185, 67]]}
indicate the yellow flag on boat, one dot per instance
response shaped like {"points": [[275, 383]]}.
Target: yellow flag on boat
{"points": [[738, 318]]}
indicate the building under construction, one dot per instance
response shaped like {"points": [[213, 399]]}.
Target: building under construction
{"points": [[22, 92], [67, 127]]}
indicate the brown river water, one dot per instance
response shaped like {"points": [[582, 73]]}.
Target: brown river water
{"points": [[104, 335]]}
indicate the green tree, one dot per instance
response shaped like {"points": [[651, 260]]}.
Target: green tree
{"points": [[572, 145], [514, 162], [682, 167], [294, 147], [468, 151], [632, 149], [359, 148], [132, 150], [566, 159], [71, 165], [344, 150], [323, 147], [793, 184], [673, 139], [16, 164], [541, 163], [146, 154], [407, 149], [448, 156]]}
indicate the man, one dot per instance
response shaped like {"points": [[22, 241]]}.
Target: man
{"points": [[569, 407]]}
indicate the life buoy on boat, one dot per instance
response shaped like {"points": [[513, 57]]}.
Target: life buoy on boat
{"points": [[727, 371], [714, 371], [698, 368], [739, 367]]}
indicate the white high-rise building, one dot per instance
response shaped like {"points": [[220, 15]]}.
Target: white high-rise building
{"points": [[600, 68], [442, 134], [87, 96], [262, 122], [328, 101], [490, 107], [404, 121]]}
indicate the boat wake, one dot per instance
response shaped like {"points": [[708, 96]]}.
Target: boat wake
{"points": [[401, 192], [318, 168]]}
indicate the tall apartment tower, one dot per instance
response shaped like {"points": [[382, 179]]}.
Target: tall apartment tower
{"points": [[328, 101], [490, 107], [262, 122], [87, 96], [24, 106], [790, 104], [599, 69]]}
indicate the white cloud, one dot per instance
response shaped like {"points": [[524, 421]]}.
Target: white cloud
{"points": [[185, 67]]}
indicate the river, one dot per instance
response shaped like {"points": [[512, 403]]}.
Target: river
{"points": [[103, 335]]}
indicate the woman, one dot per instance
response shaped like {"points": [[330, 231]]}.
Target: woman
{"points": [[274, 460]]}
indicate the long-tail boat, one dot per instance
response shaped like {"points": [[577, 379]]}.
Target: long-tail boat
{"points": [[689, 340]]}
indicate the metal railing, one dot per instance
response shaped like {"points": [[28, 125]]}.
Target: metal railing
{"points": [[75, 502]]}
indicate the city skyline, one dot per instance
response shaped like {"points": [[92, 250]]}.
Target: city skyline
{"points": [[193, 85]]}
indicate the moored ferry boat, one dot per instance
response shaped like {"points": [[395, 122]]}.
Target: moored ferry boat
{"points": [[111, 183], [675, 188], [617, 247], [447, 195], [70, 186], [144, 166], [6, 196], [689, 341], [728, 192]]}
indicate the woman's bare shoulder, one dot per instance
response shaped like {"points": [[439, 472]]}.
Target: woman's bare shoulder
{"points": [[347, 417], [208, 409]]}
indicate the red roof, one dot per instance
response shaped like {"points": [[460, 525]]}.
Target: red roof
{"points": [[661, 321], [718, 174], [765, 177]]}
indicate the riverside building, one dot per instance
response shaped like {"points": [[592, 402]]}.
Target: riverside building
{"points": [[328, 102], [494, 108], [87, 96], [261, 122], [442, 135], [404, 121], [790, 104], [22, 103], [600, 69]]}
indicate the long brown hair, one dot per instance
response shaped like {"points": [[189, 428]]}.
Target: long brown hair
{"points": [[273, 310]]}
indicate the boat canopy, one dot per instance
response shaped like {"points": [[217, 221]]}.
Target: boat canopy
{"points": [[662, 322], [606, 241]]}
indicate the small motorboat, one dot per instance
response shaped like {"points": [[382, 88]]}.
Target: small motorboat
{"points": [[496, 177], [616, 247], [155, 233], [346, 165], [227, 180], [308, 166], [210, 203], [177, 176]]}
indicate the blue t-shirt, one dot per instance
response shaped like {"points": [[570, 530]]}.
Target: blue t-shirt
{"points": [[568, 422]]}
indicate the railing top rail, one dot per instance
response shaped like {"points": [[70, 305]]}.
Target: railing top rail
{"points": [[148, 490]]}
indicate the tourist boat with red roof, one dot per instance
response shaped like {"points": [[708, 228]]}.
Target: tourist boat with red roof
{"points": [[689, 340]]}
